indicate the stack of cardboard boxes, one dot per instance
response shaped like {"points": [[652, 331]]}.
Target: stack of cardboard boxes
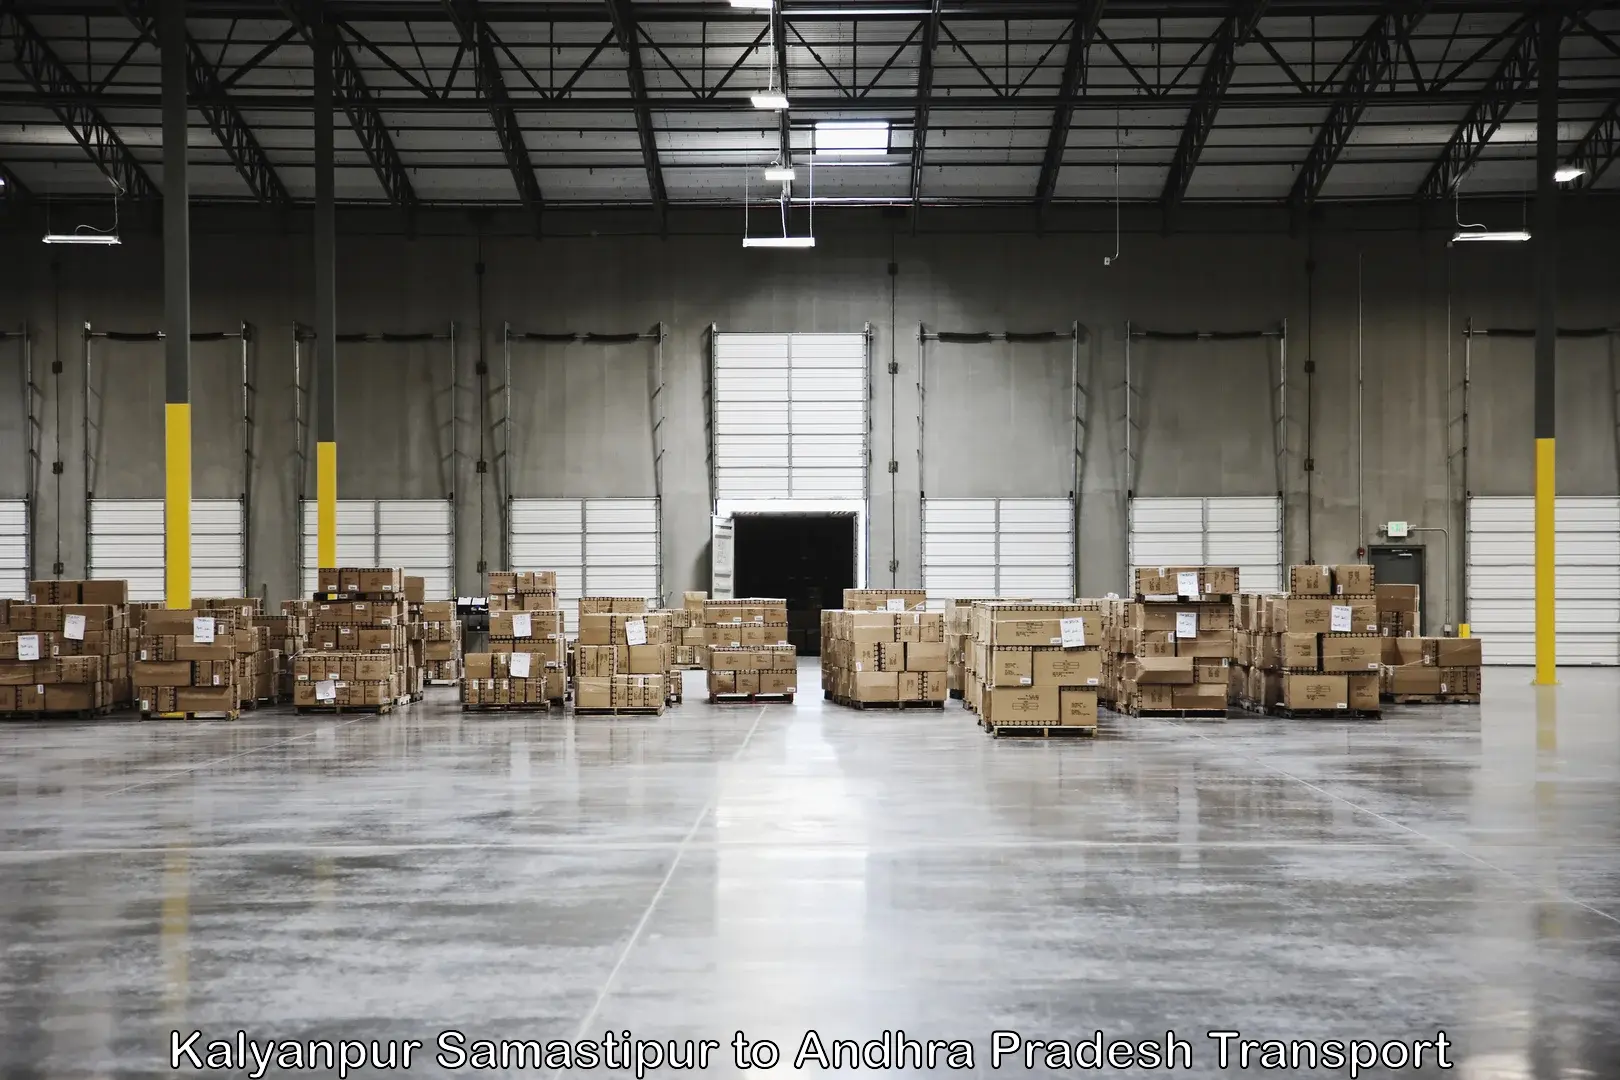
{"points": [[878, 657], [622, 657], [1440, 670], [441, 642], [526, 663], [357, 652], [736, 633], [1170, 649], [187, 662], [258, 658], [68, 651], [1035, 664], [1315, 650]]}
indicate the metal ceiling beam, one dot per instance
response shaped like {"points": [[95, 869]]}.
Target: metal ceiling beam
{"points": [[1235, 32], [1503, 90], [364, 115], [48, 75], [1373, 62], [207, 94], [626, 29], [925, 91], [1598, 147], [477, 37], [1087, 14]]}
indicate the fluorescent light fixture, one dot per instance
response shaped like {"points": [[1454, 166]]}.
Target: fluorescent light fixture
{"points": [[753, 5], [1515, 236], [771, 100], [82, 238], [779, 241], [779, 175], [1566, 173], [869, 137]]}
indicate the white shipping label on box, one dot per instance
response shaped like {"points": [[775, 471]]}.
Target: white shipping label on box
{"points": [[325, 690], [522, 625], [1341, 619], [28, 646], [73, 628], [1187, 583], [520, 665], [635, 631], [895, 603], [1074, 633], [202, 630], [1186, 624]]}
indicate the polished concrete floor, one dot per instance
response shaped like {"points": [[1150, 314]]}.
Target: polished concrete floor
{"points": [[784, 869]]}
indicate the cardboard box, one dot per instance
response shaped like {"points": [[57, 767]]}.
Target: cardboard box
{"points": [[1398, 597], [1457, 652], [1342, 654], [1316, 692], [1067, 667], [1200, 696], [1027, 705], [1164, 670], [592, 692], [1412, 679], [1301, 652], [1352, 579], [1077, 708], [875, 686], [1009, 667], [1363, 691], [1310, 581]]}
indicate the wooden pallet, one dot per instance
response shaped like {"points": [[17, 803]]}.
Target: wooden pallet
{"points": [[380, 710], [1035, 731], [63, 714], [1430, 699], [850, 703], [619, 712], [750, 699], [1177, 714], [233, 714], [1286, 713]]}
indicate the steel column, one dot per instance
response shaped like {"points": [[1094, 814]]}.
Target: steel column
{"points": [[1546, 274], [325, 302], [176, 311]]}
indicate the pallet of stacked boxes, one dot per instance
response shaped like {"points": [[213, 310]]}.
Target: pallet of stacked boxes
{"points": [[187, 664], [1174, 644], [524, 667], [441, 643], [878, 659], [66, 656], [622, 658], [1037, 667], [730, 629], [1431, 671]]}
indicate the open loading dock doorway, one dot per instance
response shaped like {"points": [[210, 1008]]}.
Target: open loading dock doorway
{"points": [[809, 559]]}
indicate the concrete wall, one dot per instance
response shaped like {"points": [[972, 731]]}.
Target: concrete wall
{"points": [[998, 416]]}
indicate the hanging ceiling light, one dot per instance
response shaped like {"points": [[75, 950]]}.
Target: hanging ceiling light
{"points": [[1511, 236]]}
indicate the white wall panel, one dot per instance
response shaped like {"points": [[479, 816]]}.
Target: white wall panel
{"points": [[126, 541], [1502, 578], [790, 416], [14, 567], [1235, 531]]}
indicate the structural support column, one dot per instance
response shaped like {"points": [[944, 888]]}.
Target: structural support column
{"points": [[176, 312], [1546, 372], [325, 303]]}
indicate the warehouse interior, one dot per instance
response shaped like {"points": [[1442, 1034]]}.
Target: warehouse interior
{"points": [[1058, 291]]}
